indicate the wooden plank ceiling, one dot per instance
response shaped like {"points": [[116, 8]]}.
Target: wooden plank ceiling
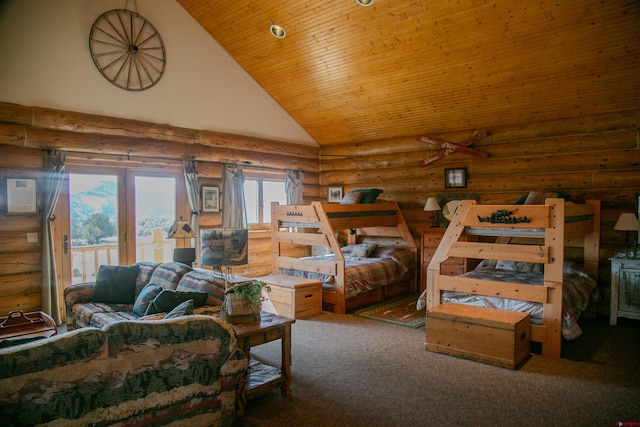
{"points": [[348, 73]]}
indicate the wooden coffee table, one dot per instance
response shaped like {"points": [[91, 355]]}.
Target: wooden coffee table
{"points": [[263, 378]]}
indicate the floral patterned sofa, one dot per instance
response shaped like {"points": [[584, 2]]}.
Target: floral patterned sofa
{"points": [[125, 293], [180, 371]]}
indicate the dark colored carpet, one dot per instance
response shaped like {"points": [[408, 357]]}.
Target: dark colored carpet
{"points": [[350, 371]]}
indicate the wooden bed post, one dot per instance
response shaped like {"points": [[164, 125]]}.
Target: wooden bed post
{"points": [[451, 235], [592, 241], [553, 278]]}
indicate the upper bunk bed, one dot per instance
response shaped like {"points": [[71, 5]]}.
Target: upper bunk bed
{"points": [[379, 260], [529, 241]]}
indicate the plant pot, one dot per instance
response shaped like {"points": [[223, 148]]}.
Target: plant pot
{"points": [[238, 306]]}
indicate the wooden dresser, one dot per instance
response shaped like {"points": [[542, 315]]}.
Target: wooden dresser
{"points": [[453, 266]]}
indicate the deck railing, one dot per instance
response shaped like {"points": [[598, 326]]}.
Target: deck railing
{"points": [[88, 259]]}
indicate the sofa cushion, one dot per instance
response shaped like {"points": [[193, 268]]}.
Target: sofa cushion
{"points": [[182, 309], [146, 269], [168, 299], [168, 274], [100, 320], [145, 297], [203, 281], [84, 312], [116, 284]]}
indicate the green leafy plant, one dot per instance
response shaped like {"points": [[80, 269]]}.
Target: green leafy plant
{"points": [[252, 291]]}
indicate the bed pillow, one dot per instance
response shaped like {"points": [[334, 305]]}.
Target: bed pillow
{"points": [[352, 197], [538, 197], [370, 195], [182, 309], [168, 299], [506, 265], [116, 284], [361, 250], [145, 297], [529, 267]]}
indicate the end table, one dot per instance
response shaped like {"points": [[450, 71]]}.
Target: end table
{"points": [[263, 378]]}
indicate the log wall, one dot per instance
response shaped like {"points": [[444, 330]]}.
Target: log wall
{"points": [[588, 157], [594, 157], [26, 131]]}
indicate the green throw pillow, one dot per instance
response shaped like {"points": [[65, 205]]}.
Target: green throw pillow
{"points": [[168, 299], [147, 294], [116, 284], [182, 309], [370, 195]]}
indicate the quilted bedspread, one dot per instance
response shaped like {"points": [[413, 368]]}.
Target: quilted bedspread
{"points": [[384, 266], [577, 290]]}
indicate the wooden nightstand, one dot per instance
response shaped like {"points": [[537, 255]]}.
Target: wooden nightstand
{"points": [[452, 267], [625, 288]]}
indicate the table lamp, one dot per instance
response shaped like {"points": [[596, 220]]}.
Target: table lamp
{"points": [[432, 206], [182, 230], [628, 223]]}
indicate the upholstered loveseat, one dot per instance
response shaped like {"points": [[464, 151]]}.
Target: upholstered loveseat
{"points": [[180, 371], [133, 292]]}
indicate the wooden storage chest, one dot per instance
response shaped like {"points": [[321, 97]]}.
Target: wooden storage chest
{"points": [[489, 335], [294, 297]]}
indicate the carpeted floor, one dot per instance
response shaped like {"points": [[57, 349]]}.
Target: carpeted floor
{"points": [[351, 371]]}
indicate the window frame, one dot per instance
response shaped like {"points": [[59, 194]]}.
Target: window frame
{"points": [[261, 177]]}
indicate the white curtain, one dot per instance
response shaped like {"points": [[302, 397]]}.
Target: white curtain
{"points": [[293, 186], [54, 163], [191, 182], [234, 208]]}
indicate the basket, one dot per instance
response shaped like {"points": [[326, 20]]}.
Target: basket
{"points": [[236, 306]]}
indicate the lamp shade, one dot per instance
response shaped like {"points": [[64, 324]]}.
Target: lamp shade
{"points": [[627, 222], [180, 230], [431, 205]]}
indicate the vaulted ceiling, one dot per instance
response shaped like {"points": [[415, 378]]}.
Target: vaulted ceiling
{"points": [[348, 73]]}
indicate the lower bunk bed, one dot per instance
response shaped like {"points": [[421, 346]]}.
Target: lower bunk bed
{"points": [[367, 252], [523, 267]]}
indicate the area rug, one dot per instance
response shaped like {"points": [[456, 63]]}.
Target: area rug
{"points": [[400, 310]]}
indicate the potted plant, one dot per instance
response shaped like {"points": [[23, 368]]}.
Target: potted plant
{"points": [[245, 298]]}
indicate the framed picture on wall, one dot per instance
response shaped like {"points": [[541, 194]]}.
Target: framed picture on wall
{"points": [[455, 178], [334, 194], [210, 199], [21, 196]]}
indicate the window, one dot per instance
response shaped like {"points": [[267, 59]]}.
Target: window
{"points": [[118, 216], [258, 194]]}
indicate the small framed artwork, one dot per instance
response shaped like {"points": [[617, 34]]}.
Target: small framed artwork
{"points": [[210, 199], [455, 178], [334, 194], [21, 196]]}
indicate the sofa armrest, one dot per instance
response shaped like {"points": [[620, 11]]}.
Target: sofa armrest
{"points": [[76, 294]]}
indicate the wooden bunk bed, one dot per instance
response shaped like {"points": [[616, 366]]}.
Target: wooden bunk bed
{"points": [[531, 234], [297, 231]]}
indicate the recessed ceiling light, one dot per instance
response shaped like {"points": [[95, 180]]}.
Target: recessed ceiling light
{"points": [[364, 2], [277, 31]]}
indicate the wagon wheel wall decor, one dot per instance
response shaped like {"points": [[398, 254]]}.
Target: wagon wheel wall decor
{"points": [[127, 50]]}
